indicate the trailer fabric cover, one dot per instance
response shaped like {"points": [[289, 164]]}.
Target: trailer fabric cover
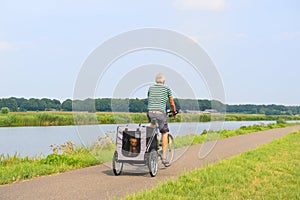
{"points": [[138, 132]]}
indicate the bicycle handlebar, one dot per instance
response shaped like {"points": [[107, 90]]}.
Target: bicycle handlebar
{"points": [[171, 113]]}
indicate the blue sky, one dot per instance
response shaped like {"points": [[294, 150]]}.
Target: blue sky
{"points": [[254, 44]]}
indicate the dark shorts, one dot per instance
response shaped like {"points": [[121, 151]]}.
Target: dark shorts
{"points": [[161, 119]]}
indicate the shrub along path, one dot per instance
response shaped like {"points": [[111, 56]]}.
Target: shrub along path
{"points": [[98, 182]]}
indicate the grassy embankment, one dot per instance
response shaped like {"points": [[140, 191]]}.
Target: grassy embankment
{"points": [[67, 157], [269, 172], [67, 118]]}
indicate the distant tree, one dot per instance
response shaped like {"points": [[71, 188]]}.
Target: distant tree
{"points": [[67, 105], [56, 104], [140, 105], [176, 101], [44, 104], [5, 110], [10, 103], [19, 101], [34, 105], [136, 105], [103, 105], [24, 106], [186, 104], [89, 105], [84, 105], [217, 105], [204, 104], [120, 105]]}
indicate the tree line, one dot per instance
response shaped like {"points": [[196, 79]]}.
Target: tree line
{"points": [[138, 105]]}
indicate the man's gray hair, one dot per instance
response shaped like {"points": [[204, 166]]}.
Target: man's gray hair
{"points": [[160, 78]]}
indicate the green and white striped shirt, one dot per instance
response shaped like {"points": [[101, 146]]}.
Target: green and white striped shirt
{"points": [[158, 95]]}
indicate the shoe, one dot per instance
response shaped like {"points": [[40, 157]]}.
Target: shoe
{"points": [[159, 152], [165, 162]]}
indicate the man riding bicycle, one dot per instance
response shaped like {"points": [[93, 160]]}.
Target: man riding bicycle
{"points": [[158, 95]]}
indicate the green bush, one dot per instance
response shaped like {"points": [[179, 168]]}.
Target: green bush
{"points": [[5, 110], [58, 159]]}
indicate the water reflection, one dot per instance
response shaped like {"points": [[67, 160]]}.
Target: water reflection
{"points": [[34, 141]]}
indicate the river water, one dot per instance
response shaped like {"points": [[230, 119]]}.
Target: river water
{"points": [[36, 141]]}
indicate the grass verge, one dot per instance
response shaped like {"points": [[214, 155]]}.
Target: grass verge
{"points": [[269, 172], [192, 139], [15, 168], [65, 157]]}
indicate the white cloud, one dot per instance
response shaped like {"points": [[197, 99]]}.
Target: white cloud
{"points": [[215, 5]]}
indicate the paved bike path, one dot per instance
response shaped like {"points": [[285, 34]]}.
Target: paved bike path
{"points": [[98, 182]]}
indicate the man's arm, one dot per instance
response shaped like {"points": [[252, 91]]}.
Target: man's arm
{"points": [[172, 105]]}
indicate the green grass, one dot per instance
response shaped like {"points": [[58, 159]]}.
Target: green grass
{"points": [[65, 157], [212, 135], [69, 118], [269, 172], [14, 168]]}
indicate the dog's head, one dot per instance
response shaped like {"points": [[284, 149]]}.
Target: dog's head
{"points": [[133, 142]]}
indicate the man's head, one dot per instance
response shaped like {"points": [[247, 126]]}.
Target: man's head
{"points": [[160, 78]]}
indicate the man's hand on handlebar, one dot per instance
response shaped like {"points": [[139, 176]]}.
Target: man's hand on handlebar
{"points": [[172, 113]]}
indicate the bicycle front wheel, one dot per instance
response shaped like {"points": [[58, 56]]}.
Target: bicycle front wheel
{"points": [[170, 150]]}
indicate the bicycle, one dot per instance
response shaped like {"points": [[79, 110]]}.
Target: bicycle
{"points": [[171, 144], [148, 150]]}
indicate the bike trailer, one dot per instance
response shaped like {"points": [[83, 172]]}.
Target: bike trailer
{"points": [[145, 139]]}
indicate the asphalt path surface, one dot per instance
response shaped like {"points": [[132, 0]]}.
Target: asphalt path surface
{"points": [[99, 182]]}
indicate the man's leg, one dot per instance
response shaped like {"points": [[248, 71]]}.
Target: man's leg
{"points": [[164, 145]]}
